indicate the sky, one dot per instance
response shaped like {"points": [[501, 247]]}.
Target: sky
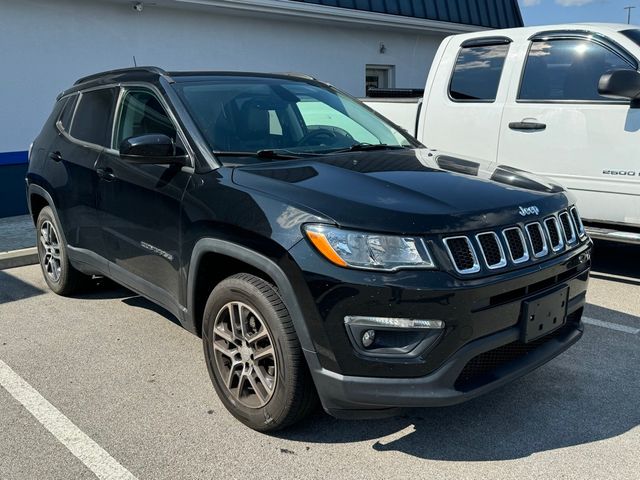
{"points": [[541, 12]]}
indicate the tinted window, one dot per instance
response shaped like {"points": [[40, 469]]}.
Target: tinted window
{"points": [[476, 76], [67, 112], [142, 113], [94, 115], [567, 70], [633, 34]]}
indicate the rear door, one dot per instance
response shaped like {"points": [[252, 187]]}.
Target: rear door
{"points": [[84, 132], [464, 104], [139, 204], [555, 123]]}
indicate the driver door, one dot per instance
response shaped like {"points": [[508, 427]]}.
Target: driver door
{"points": [[139, 205]]}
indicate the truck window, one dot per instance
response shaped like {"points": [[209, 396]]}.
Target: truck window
{"points": [[318, 115], [561, 70], [632, 34], [476, 76]]}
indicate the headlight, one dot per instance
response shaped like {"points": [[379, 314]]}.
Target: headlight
{"points": [[348, 248]]}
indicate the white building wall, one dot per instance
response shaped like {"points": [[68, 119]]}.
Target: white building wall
{"points": [[46, 45]]}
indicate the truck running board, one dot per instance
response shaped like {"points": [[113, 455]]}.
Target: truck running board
{"points": [[598, 233]]}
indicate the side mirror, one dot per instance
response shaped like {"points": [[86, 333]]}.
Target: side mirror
{"points": [[621, 84], [154, 148]]}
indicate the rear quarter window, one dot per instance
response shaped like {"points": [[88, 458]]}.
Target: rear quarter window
{"points": [[66, 116], [476, 75], [93, 119]]}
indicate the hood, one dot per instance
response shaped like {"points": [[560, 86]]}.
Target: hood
{"points": [[404, 191]]}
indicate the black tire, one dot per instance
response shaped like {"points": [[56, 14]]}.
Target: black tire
{"points": [[64, 280], [293, 394]]}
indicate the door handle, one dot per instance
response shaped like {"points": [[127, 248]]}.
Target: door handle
{"points": [[527, 126], [106, 174], [55, 156]]}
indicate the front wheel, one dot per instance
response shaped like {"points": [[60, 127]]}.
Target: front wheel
{"points": [[253, 355]]}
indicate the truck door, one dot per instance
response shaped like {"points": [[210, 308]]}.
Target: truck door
{"points": [[556, 124], [465, 97]]}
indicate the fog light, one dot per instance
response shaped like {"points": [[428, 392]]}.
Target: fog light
{"points": [[368, 338], [403, 323]]}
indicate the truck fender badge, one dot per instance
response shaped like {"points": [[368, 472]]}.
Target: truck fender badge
{"points": [[533, 210]]}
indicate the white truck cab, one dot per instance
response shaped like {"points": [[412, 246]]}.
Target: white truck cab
{"points": [[562, 101]]}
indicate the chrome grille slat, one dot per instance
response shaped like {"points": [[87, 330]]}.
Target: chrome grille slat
{"points": [[566, 224], [516, 246], [489, 241], [577, 221], [462, 254], [552, 227], [536, 235]]}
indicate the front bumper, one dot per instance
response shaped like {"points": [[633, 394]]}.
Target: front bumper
{"points": [[480, 350], [454, 382]]}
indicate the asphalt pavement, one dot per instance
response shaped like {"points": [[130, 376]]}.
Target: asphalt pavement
{"points": [[106, 384]]}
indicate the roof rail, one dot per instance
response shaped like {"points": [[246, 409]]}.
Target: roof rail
{"points": [[149, 69], [299, 75]]}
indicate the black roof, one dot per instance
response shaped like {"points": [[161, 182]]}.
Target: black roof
{"points": [[152, 74], [484, 13]]}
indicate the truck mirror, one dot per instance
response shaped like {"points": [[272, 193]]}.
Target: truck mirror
{"points": [[621, 84]]}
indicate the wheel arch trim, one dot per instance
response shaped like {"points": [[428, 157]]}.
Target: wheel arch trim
{"points": [[40, 191], [258, 261]]}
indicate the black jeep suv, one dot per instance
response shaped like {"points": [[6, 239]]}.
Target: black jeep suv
{"points": [[318, 250]]}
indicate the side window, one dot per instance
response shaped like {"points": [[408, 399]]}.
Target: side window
{"points": [[477, 73], [567, 70], [94, 116], [141, 114], [275, 127], [67, 112]]}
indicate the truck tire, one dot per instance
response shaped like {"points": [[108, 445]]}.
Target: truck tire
{"points": [[253, 355], [58, 272]]}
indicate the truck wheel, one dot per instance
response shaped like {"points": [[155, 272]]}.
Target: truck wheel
{"points": [[61, 277], [253, 355]]}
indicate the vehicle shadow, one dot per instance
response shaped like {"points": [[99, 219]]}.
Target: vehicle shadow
{"points": [[612, 258], [578, 398], [12, 288], [106, 289]]}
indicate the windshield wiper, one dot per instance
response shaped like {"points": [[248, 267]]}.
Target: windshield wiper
{"points": [[363, 147], [265, 154]]}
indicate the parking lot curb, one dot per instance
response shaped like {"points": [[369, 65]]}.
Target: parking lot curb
{"points": [[18, 258]]}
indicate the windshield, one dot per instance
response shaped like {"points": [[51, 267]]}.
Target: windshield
{"points": [[260, 114]]}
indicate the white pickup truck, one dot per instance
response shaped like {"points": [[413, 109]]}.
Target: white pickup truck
{"points": [[561, 101]]}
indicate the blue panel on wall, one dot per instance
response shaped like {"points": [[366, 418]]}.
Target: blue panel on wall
{"points": [[485, 13], [13, 199], [13, 158]]}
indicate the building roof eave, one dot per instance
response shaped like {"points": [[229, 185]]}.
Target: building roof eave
{"points": [[324, 14]]}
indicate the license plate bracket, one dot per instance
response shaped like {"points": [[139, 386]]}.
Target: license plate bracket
{"points": [[544, 314]]}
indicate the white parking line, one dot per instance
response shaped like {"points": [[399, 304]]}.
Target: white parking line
{"points": [[103, 465], [611, 326]]}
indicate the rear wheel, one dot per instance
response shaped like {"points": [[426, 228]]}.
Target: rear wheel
{"points": [[254, 356], [59, 274]]}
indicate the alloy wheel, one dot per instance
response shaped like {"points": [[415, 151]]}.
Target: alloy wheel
{"points": [[244, 354], [50, 253]]}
